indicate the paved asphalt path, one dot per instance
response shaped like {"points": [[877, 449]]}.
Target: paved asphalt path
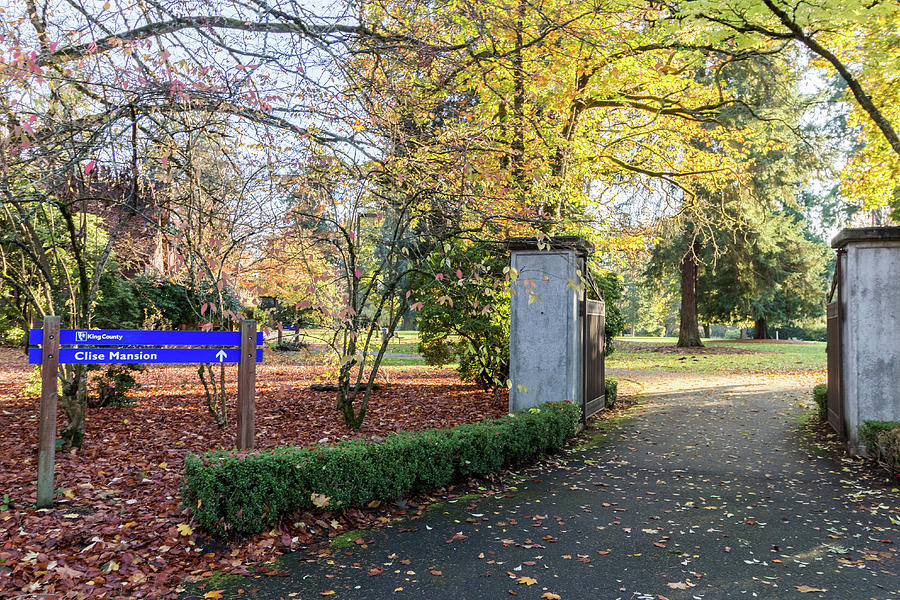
{"points": [[705, 492]]}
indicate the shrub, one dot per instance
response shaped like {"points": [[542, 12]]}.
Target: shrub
{"points": [[437, 352], [612, 391], [868, 435], [820, 395], [286, 346], [466, 318], [888, 443], [814, 333], [114, 385], [610, 284], [240, 494], [33, 383]]}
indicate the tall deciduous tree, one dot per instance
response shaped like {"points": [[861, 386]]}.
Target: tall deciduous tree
{"points": [[854, 39]]}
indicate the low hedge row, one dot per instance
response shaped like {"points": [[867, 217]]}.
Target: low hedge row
{"points": [[235, 494]]}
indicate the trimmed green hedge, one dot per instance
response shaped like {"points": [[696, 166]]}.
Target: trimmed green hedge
{"points": [[868, 435], [820, 395], [234, 494], [612, 391]]}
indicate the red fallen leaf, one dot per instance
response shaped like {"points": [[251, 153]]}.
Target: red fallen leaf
{"points": [[659, 545], [603, 552], [405, 561], [887, 541], [457, 536], [529, 563], [512, 592], [376, 571], [436, 572]]}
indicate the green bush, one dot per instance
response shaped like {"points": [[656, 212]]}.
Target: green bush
{"points": [[610, 284], [816, 333], [868, 435], [437, 352], [612, 391], [33, 383], [888, 443], [240, 494], [820, 395], [114, 385], [465, 317]]}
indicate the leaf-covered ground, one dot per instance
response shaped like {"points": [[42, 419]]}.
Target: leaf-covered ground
{"points": [[118, 529]]}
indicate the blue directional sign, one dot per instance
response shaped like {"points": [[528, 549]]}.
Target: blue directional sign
{"points": [[99, 356], [129, 337]]}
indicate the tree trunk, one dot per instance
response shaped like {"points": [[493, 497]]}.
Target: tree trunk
{"points": [[761, 329], [74, 402], [26, 327], [688, 333]]}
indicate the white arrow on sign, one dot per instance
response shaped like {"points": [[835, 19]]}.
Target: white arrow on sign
{"points": [[221, 355]]}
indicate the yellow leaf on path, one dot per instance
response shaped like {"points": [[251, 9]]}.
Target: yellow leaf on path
{"points": [[527, 580], [328, 593], [551, 596], [806, 589], [185, 529], [163, 465], [399, 589], [214, 594], [69, 494]]}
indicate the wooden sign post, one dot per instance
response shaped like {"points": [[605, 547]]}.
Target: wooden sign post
{"points": [[49, 395], [93, 347], [246, 405]]}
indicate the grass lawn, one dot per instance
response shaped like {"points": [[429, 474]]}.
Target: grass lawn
{"points": [[403, 342], [718, 356]]}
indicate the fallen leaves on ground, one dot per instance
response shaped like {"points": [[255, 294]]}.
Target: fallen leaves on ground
{"points": [[807, 589], [119, 504]]}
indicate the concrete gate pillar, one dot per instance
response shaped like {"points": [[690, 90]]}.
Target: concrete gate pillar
{"points": [[546, 323], [868, 296]]}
